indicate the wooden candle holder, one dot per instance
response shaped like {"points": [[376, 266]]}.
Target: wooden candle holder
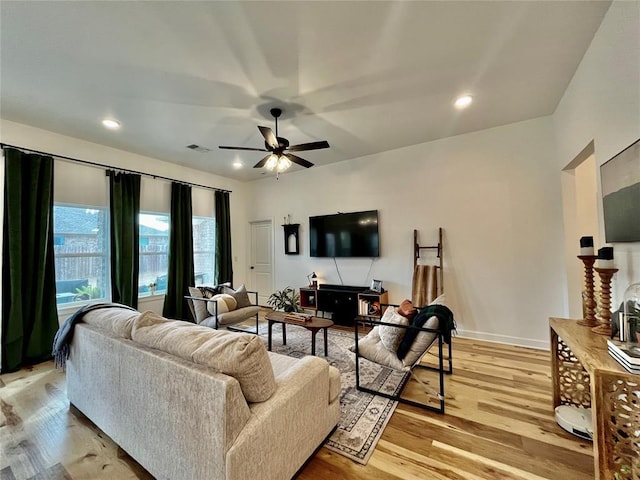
{"points": [[589, 303], [604, 322]]}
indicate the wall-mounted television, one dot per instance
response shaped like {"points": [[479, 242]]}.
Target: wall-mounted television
{"points": [[620, 180], [352, 234]]}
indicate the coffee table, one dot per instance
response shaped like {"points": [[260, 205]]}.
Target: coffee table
{"points": [[313, 326]]}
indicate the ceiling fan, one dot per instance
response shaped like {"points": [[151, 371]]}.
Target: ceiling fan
{"points": [[279, 157]]}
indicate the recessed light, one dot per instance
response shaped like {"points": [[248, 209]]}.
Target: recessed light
{"points": [[464, 101], [237, 164], [111, 124]]}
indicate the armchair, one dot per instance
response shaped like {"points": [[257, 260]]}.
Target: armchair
{"points": [[223, 306], [400, 344]]}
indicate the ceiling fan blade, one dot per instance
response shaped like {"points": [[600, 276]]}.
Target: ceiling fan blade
{"points": [[244, 148], [300, 161], [262, 162], [308, 146], [269, 137]]}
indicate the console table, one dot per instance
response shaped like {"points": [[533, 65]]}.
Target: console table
{"points": [[585, 375]]}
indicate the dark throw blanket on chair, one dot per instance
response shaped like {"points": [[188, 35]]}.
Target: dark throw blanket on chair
{"points": [[63, 337], [446, 325]]}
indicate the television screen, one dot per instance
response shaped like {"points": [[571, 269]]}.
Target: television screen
{"points": [[620, 179], [352, 234]]}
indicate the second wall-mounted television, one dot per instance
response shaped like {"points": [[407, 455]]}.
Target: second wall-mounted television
{"points": [[352, 234]]}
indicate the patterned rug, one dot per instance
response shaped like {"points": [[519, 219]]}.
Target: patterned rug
{"points": [[363, 416]]}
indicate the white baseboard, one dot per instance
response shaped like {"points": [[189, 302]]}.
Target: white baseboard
{"points": [[517, 341]]}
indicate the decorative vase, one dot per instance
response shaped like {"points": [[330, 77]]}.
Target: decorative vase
{"points": [[153, 290]]}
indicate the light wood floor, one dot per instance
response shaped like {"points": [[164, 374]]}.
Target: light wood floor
{"points": [[499, 425]]}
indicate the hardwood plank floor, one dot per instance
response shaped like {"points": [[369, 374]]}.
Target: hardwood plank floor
{"points": [[499, 425]]}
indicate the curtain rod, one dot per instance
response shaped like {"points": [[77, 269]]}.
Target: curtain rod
{"points": [[102, 165]]}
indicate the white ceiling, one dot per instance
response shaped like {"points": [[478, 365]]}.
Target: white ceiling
{"points": [[365, 76]]}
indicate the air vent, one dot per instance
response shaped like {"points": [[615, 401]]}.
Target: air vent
{"points": [[198, 148]]}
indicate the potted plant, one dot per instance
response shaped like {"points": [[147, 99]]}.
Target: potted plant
{"points": [[152, 287], [87, 292], [286, 300]]}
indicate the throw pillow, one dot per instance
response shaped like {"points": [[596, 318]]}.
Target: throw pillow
{"points": [[209, 292], [224, 301], [199, 306], [242, 297], [407, 310], [392, 336]]}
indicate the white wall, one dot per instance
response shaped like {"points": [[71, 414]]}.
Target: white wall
{"points": [[602, 103], [496, 193], [74, 183]]}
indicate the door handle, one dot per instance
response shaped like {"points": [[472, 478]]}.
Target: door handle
{"points": [[252, 267]]}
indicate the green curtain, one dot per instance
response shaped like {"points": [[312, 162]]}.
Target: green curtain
{"points": [[29, 313], [224, 267], [124, 210], [181, 271]]}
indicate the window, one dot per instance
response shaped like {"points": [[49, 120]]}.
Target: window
{"points": [[82, 254], [80, 249], [204, 249], [154, 251]]}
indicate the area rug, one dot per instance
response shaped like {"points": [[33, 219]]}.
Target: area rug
{"points": [[363, 416]]}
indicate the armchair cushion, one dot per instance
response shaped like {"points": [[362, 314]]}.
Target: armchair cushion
{"points": [[229, 318], [371, 348]]}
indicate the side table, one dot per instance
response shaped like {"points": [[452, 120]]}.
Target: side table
{"points": [[585, 375]]}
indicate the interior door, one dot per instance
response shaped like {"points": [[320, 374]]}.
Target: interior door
{"points": [[261, 267]]}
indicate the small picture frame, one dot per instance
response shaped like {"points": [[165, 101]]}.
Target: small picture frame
{"points": [[376, 286]]}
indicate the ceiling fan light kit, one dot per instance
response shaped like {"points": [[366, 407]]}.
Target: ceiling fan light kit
{"points": [[279, 158]]}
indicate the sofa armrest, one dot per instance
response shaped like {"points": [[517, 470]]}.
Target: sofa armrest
{"points": [[296, 415]]}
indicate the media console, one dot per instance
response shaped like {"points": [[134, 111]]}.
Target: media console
{"points": [[341, 300]]}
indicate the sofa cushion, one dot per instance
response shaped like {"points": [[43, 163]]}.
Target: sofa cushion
{"points": [[199, 306], [118, 321], [176, 337], [239, 355]]}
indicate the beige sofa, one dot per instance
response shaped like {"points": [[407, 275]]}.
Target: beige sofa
{"points": [[188, 402]]}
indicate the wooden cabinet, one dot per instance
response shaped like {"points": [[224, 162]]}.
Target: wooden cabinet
{"points": [[309, 298], [340, 300], [371, 304]]}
